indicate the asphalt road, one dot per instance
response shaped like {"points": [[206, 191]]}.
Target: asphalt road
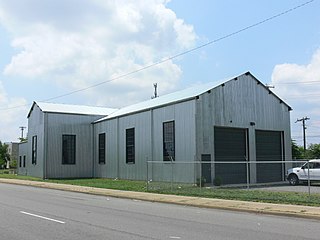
{"points": [[36, 213]]}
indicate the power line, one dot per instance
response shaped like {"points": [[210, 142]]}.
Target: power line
{"points": [[289, 83], [177, 55]]}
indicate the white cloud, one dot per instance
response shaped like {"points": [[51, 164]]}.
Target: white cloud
{"points": [[79, 43], [11, 118], [299, 85]]}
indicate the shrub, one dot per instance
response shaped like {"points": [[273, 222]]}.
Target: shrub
{"points": [[217, 181], [203, 181]]}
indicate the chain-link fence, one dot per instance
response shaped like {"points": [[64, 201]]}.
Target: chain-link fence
{"points": [[234, 174]]}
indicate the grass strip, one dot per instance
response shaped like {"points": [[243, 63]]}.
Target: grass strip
{"points": [[293, 198]]}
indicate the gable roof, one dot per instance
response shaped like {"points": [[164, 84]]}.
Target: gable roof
{"points": [[176, 97], [71, 109]]}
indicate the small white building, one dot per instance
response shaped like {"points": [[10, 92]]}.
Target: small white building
{"points": [[237, 120]]}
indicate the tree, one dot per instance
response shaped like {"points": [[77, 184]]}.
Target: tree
{"points": [[314, 151], [297, 151], [4, 156]]}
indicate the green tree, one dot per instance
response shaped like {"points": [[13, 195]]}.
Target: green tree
{"points": [[13, 163], [297, 151], [4, 156], [314, 151]]}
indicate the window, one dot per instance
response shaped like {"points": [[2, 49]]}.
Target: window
{"points": [[19, 161], [34, 150], [130, 156], [68, 149], [168, 141], [24, 160], [102, 148]]}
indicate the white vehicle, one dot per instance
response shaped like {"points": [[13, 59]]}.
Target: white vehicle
{"points": [[300, 174]]}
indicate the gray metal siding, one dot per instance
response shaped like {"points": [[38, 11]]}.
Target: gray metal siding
{"points": [[79, 125], [110, 168], [237, 103], [36, 128], [184, 116], [148, 142]]}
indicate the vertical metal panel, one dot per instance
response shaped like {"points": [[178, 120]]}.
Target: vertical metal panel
{"points": [[36, 128], [148, 141], [79, 125], [184, 116], [141, 122], [109, 169], [240, 103]]}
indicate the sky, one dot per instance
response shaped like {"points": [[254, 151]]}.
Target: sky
{"points": [[50, 49]]}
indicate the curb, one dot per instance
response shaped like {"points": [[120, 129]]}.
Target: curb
{"points": [[231, 205]]}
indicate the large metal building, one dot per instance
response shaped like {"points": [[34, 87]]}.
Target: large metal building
{"points": [[235, 121], [238, 120]]}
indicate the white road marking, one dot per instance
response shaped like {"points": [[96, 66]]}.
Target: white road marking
{"points": [[38, 216], [173, 237]]}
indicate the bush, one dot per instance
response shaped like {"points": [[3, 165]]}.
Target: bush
{"points": [[203, 181], [13, 164], [217, 181]]}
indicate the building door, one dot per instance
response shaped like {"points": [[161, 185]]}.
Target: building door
{"points": [[230, 145], [206, 167], [269, 148]]}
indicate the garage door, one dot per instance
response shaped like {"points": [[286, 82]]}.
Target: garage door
{"points": [[230, 145], [269, 148]]}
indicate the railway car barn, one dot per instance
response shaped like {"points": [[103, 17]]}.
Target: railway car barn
{"points": [[237, 120]]}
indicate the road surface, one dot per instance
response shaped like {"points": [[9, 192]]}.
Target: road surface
{"points": [[30, 213]]}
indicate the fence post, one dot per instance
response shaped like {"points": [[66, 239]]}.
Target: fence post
{"points": [[200, 180], [147, 175], [309, 178], [247, 166], [171, 174]]}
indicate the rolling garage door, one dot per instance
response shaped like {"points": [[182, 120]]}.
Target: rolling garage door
{"points": [[269, 148], [230, 145]]}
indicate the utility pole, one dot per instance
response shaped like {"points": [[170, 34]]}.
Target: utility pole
{"points": [[155, 85], [22, 129], [303, 120]]}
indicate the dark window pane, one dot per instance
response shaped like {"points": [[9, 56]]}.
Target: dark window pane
{"points": [[130, 154], [168, 141], [68, 149], [34, 150], [102, 148]]}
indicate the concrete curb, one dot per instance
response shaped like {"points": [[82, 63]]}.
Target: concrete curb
{"points": [[234, 205]]}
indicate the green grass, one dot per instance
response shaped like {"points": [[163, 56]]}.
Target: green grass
{"points": [[294, 198]]}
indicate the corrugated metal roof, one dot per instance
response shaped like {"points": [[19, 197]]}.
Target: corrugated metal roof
{"points": [[175, 97], [72, 109]]}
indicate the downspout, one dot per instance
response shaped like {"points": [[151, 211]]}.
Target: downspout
{"points": [[93, 150], [45, 145], [118, 141]]}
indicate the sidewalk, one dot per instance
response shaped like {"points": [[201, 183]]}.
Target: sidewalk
{"points": [[234, 205]]}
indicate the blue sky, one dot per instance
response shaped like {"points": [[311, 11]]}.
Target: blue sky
{"points": [[49, 48]]}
